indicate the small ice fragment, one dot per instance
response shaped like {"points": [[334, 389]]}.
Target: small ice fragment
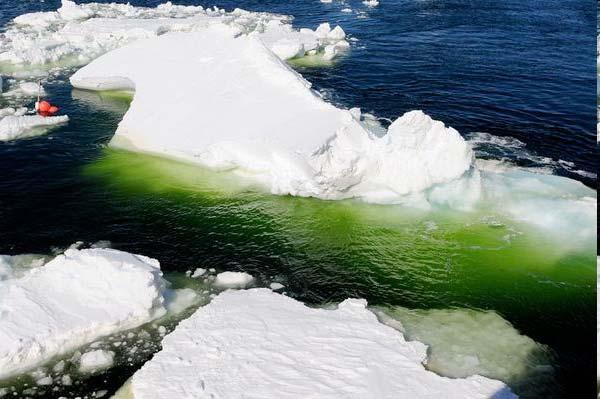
{"points": [[66, 380], [162, 330], [96, 360], [44, 381], [59, 367], [371, 3], [198, 272], [276, 286], [233, 280], [355, 112]]}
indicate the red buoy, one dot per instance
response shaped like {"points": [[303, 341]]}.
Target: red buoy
{"points": [[44, 108]]}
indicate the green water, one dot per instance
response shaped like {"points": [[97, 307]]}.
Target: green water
{"points": [[326, 251]]}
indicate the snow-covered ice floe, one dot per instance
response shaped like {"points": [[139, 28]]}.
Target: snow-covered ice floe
{"points": [[257, 343], [282, 132], [77, 33], [15, 123], [72, 300], [238, 107]]}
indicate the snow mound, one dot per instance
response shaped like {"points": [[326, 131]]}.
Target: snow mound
{"points": [[72, 300], [233, 280], [257, 343], [77, 33], [283, 133], [14, 124]]}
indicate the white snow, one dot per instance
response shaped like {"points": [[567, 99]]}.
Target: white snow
{"points": [[77, 33], [233, 280], [96, 360], [14, 124], [257, 343], [72, 300], [281, 131]]}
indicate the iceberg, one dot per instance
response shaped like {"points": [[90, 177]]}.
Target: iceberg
{"points": [[282, 133], [256, 343], [72, 300]]}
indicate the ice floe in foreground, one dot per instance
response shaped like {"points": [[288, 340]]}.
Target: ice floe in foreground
{"points": [[73, 300], [15, 123], [257, 343], [282, 133]]}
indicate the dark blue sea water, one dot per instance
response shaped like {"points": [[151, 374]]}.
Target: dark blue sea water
{"points": [[519, 68]]}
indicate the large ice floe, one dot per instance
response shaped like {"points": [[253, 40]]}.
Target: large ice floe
{"points": [[77, 33], [257, 343], [281, 132], [225, 101], [74, 299]]}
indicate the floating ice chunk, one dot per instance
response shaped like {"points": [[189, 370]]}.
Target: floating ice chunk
{"points": [[96, 360], [276, 286], [371, 3], [233, 280], [198, 272], [292, 141], [243, 336], [176, 301], [26, 89], [45, 315], [14, 124]]}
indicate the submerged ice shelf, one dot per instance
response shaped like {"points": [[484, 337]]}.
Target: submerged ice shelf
{"points": [[262, 344]]}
